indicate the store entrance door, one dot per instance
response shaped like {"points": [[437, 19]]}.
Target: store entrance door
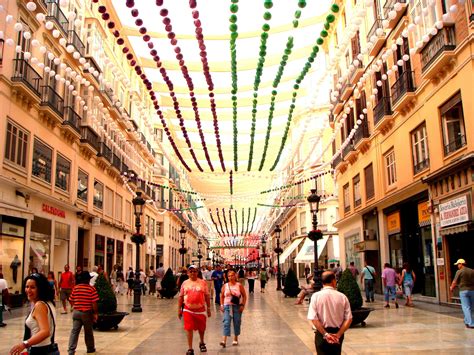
{"points": [[460, 246]]}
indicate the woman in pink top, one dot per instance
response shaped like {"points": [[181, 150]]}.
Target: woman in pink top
{"points": [[232, 288]]}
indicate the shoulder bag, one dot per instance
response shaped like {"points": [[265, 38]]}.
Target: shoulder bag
{"points": [[235, 300]]}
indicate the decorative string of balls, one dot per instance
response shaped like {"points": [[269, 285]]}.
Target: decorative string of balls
{"points": [[231, 224], [154, 184], [234, 8], [215, 224], [284, 187], [231, 183]]}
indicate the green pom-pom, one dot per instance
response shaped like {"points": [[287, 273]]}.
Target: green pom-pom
{"points": [[287, 51], [285, 57], [264, 36], [295, 23], [234, 35], [233, 92], [296, 86], [311, 59], [233, 18], [233, 27], [266, 27], [327, 26], [324, 33], [255, 94], [234, 8], [330, 18], [267, 15], [320, 41], [298, 81], [274, 92], [268, 4], [315, 49], [334, 8], [302, 3]]}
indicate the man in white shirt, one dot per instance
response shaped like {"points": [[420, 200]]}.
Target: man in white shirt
{"points": [[330, 313], [207, 276], [94, 275]]}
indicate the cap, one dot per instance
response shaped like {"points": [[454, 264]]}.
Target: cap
{"points": [[460, 261], [192, 267]]}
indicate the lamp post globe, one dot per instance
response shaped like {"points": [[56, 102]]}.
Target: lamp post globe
{"points": [[182, 250], [278, 251], [138, 238], [315, 234]]}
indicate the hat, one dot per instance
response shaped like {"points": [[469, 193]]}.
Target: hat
{"points": [[192, 267], [460, 261]]}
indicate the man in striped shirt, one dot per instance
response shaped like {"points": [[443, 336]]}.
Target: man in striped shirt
{"points": [[84, 299]]}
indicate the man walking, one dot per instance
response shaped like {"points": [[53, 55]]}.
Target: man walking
{"points": [[192, 303], [84, 298], [66, 284], [389, 279], [464, 278], [207, 276], [218, 278], [330, 313], [352, 268], [367, 277]]}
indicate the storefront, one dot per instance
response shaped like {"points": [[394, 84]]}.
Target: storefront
{"points": [[99, 256], [110, 255]]}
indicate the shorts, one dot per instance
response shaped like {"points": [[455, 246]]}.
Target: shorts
{"points": [[65, 294], [193, 321]]}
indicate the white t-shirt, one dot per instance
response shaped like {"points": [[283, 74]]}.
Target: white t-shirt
{"points": [[94, 276]]}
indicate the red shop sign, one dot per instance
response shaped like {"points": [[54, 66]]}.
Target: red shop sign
{"points": [[54, 211]]}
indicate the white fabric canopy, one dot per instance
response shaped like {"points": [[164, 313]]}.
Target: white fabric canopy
{"points": [[306, 254], [286, 253]]}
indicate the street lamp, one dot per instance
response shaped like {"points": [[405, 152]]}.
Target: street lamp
{"points": [[213, 260], [182, 250], [137, 238], [264, 255], [315, 234], [278, 250], [199, 255]]}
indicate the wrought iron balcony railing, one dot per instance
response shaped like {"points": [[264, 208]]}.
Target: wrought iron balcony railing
{"points": [[116, 162], [362, 131], [383, 108], [75, 40], [404, 84], [387, 7], [455, 144], [72, 118], [56, 15], [372, 32], [105, 152], [90, 137], [52, 99], [444, 40], [422, 165], [24, 72]]}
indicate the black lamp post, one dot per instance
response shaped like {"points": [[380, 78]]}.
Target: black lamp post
{"points": [[278, 251], [315, 234], [213, 260], [182, 250], [137, 238], [264, 249], [199, 255], [208, 259]]}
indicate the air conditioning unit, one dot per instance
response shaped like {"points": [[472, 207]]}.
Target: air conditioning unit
{"points": [[369, 234]]}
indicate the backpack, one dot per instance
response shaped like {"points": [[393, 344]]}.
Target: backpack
{"points": [[131, 275]]}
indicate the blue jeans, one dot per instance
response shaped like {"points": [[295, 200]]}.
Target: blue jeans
{"points": [[389, 290], [236, 318], [467, 304], [369, 289]]}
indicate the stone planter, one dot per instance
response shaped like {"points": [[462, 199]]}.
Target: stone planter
{"points": [[109, 321], [360, 315]]}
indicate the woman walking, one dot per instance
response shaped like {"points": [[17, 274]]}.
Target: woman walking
{"points": [[41, 322], [251, 279], [53, 283], [233, 300], [408, 281], [263, 279]]}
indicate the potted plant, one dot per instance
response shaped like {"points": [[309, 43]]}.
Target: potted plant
{"points": [[348, 285], [168, 285], [291, 287], [107, 306]]}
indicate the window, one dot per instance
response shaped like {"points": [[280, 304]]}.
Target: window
{"points": [[347, 201], [63, 172], [303, 223], [42, 157], [369, 182], [356, 187], [82, 185], [419, 142], [118, 207], [426, 22], [128, 212], [109, 202], [16, 144], [390, 167], [159, 228], [98, 194], [452, 117], [152, 228]]}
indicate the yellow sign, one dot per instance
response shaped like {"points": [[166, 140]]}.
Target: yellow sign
{"points": [[393, 223], [423, 212]]}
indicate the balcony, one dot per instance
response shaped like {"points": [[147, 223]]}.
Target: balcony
{"points": [[331, 120], [74, 40], [357, 73], [89, 140], [422, 165], [362, 136], [52, 104], [56, 15], [336, 161], [403, 90], [72, 121], [109, 93], [455, 144], [349, 153], [383, 114], [380, 40], [124, 167], [105, 153], [438, 52], [25, 75], [117, 162], [388, 7], [346, 91], [93, 67]]}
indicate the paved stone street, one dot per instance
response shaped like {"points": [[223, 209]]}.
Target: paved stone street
{"points": [[272, 324]]}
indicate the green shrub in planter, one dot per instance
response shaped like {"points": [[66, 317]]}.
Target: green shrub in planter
{"points": [[291, 287], [107, 301], [348, 286]]}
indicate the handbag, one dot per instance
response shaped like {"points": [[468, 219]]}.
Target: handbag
{"points": [[53, 348], [235, 300]]}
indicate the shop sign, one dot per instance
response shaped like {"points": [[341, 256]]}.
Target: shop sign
{"points": [[159, 249], [454, 211], [424, 215], [13, 229], [393, 223], [440, 261], [54, 211], [366, 245]]}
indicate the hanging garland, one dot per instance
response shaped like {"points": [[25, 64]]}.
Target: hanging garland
{"points": [[253, 221], [215, 224], [234, 8], [231, 224], [297, 183], [220, 222], [134, 177], [225, 221], [183, 209], [278, 206], [329, 19]]}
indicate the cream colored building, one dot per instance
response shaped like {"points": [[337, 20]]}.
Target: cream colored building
{"points": [[405, 177]]}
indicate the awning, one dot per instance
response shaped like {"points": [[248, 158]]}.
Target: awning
{"points": [[306, 254], [460, 228], [286, 253]]}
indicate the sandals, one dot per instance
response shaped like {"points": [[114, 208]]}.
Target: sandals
{"points": [[190, 352], [235, 343], [222, 343], [202, 348]]}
